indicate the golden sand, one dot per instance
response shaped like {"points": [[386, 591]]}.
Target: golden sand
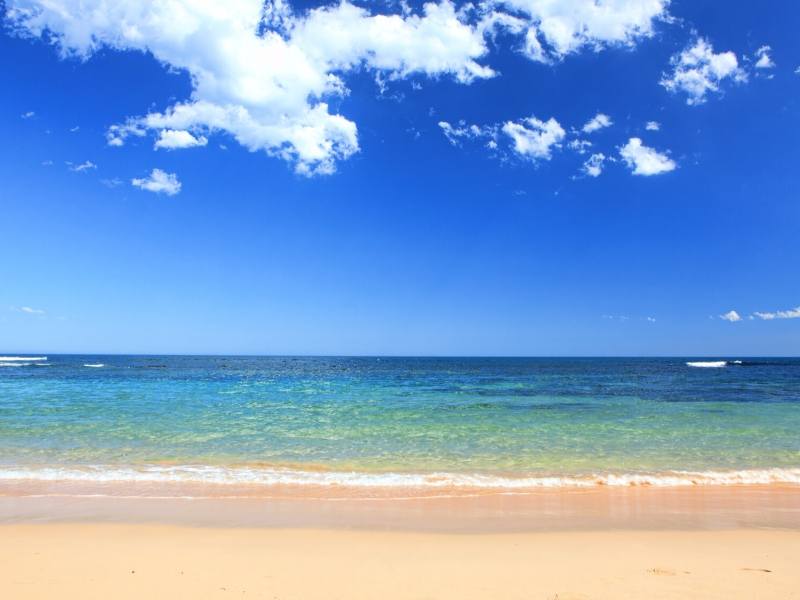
{"points": [[121, 561]]}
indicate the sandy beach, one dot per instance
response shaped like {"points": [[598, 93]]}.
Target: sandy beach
{"points": [[85, 561], [705, 542]]}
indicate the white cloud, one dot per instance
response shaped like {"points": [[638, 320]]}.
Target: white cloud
{"points": [[579, 146], [28, 115], [650, 319], [84, 166], [764, 59], [29, 311], [270, 77], [731, 316], [261, 73], [792, 313], [599, 121], [652, 126], [159, 182], [554, 29], [462, 131], [643, 160], [74, 129], [534, 139], [594, 165], [698, 70], [172, 139]]}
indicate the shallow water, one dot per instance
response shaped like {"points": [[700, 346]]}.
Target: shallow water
{"points": [[473, 422]]}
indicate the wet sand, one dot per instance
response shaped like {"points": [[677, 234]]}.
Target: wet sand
{"points": [[598, 508]]}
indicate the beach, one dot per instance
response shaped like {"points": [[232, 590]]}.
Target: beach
{"points": [[270, 477], [87, 561], [703, 542]]}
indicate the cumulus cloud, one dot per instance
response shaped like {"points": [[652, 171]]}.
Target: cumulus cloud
{"points": [[552, 30], [599, 121], [534, 139], [643, 160], [652, 126], [792, 313], [731, 316], [260, 73], [698, 70], [593, 167], [764, 59], [271, 77], [159, 182], [172, 139]]}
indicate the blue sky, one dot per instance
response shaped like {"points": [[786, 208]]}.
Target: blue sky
{"points": [[327, 180]]}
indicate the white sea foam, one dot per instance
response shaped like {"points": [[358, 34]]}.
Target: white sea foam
{"points": [[268, 476], [708, 364], [11, 359], [94, 365]]}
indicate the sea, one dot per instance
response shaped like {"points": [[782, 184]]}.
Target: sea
{"points": [[502, 424]]}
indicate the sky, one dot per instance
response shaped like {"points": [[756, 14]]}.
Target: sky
{"points": [[517, 177]]}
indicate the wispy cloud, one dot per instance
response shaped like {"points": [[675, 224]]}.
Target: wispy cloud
{"points": [[792, 313], [80, 168], [28, 115], [732, 316], [28, 310], [112, 183], [652, 126], [599, 121]]}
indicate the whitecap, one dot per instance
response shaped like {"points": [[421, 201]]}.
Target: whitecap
{"points": [[708, 364], [22, 358], [94, 365]]}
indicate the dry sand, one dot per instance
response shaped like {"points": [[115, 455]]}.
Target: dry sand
{"points": [[84, 561]]}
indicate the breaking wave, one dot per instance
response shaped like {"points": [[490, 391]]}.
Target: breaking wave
{"points": [[272, 476], [711, 364]]}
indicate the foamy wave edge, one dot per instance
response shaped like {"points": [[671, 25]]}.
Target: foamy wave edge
{"points": [[202, 474]]}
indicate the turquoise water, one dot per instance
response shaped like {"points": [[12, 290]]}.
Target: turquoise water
{"points": [[483, 417]]}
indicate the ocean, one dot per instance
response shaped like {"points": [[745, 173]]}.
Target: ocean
{"points": [[367, 422]]}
